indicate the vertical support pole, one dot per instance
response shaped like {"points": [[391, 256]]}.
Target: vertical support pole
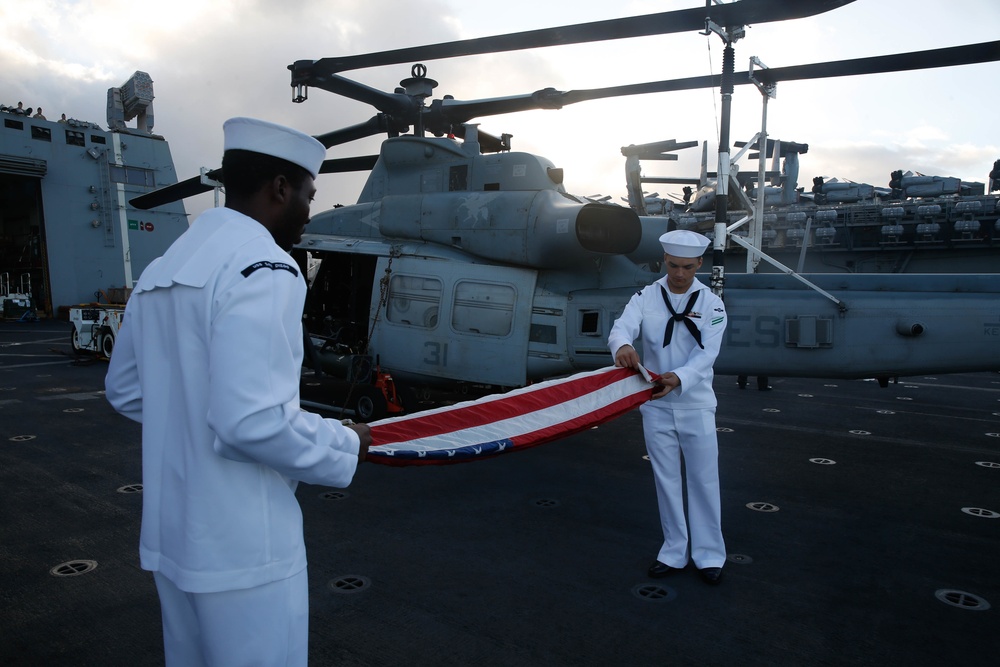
{"points": [[718, 281], [757, 224], [805, 245]]}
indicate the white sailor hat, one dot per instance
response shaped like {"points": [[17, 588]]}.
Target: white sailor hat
{"points": [[684, 243], [260, 136]]}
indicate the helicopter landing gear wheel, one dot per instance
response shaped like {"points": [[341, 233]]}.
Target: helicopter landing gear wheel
{"points": [[408, 398], [368, 404]]}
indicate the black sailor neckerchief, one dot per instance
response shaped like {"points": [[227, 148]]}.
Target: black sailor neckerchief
{"points": [[680, 317]]}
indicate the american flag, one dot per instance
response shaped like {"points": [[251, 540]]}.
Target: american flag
{"points": [[502, 423]]}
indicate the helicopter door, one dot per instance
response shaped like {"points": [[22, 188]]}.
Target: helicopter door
{"points": [[456, 321]]}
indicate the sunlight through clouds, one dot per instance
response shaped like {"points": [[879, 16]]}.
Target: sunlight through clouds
{"points": [[213, 60]]}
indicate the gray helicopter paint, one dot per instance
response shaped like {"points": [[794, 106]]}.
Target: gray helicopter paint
{"points": [[442, 342], [447, 214], [564, 298], [894, 325]]}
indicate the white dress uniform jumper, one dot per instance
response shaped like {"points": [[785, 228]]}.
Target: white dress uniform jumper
{"points": [[208, 360], [681, 333]]}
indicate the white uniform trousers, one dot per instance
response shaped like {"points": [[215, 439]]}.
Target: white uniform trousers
{"points": [[670, 434], [266, 625]]}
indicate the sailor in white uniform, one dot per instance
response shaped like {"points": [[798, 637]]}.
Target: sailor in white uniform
{"points": [[681, 323], [208, 360]]}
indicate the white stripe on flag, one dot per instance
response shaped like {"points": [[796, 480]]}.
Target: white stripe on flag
{"points": [[560, 413]]}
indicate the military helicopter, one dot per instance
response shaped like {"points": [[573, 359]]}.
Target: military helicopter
{"points": [[783, 175], [702, 199], [464, 261], [783, 188], [920, 224]]}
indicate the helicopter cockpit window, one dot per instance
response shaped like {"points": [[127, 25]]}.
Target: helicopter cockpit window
{"points": [[483, 308], [414, 300]]}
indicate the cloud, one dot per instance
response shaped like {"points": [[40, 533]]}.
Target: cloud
{"points": [[919, 137], [872, 163], [213, 60]]}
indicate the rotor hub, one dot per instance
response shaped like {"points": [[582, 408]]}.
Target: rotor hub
{"points": [[418, 85]]}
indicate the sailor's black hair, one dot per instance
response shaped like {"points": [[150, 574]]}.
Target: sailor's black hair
{"points": [[245, 172]]}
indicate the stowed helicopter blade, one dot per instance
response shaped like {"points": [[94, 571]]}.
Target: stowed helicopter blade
{"points": [[446, 115], [304, 71], [969, 54], [345, 164], [455, 112], [189, 187], [377, 124], [442, 117], [194, 185], [743, 12]]}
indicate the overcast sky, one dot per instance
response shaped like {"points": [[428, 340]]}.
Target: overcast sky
{"points": [[210, 60]]}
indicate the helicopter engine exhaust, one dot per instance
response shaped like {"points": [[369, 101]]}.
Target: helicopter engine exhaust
{"points": [[601, 228], [561, 231]]}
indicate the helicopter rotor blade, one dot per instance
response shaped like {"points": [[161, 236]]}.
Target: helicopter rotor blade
{"points": [[377, 124], [304, 71], [347, 164], [742, 12], [194, 186], [189, 187], [969, 54], [447, 113], [443, 114]]}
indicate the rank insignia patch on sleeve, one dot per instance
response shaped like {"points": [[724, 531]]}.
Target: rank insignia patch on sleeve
{"points": [[264, 264]]}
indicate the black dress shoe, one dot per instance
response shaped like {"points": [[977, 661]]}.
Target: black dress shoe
{"points": [[658, 569], [711, 575]]}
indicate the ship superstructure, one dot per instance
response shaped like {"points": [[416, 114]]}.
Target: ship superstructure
{"points": [[67, 232]]}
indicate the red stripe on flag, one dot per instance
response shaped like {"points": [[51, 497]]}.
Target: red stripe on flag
{"points": [[491, 409], [583, 396]]}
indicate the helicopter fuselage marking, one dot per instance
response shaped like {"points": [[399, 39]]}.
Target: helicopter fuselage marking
{"points": [[437, 354], [765, 331]]}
